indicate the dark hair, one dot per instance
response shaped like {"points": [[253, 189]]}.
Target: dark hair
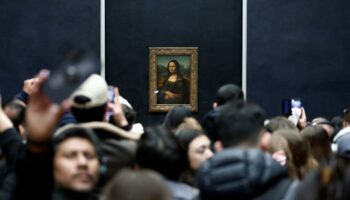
{"points": [[239, 122], [76, 131], [159, 150], [185, 136], [18, 114], [337, 122], [177, 69], [228, 92], [137, 185], [130, 116], [129, 113], [89, 115], [175, 117], [346, 115]]}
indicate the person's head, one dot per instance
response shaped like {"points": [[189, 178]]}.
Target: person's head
{"points": [[89, 100], [197, 145], [318, 140], [327, 125], [279, 122], [297, 149], [278, 144], [173, 68], [227, 93], [337, 122], [159, 150], [137, 185], [129, 113], [190, 123], [175, 117], [77, 164], [346, 118], [343, 149], [15, 110], [240, 123]]}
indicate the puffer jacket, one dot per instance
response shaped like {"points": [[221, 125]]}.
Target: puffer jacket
{"points": [[243, 174]]}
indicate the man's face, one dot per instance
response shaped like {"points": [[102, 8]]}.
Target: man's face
{"points": [[76, 166]]}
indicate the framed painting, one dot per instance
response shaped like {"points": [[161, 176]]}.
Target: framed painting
{"points": [[173, 78]]}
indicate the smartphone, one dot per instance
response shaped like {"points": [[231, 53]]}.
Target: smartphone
{"points": [[291, 104], [111, 96], [70, 73], [292, 108]]}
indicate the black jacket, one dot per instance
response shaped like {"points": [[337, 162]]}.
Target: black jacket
{"points": [[243, 174]]}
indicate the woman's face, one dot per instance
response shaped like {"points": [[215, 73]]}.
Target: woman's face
{"points": [[199, 151], [172, 67]]}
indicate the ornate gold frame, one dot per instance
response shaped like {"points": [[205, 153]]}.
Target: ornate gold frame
{"points": [[154, 52]]}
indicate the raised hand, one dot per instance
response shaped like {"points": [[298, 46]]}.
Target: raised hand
{"points": [[42, 115], [118, 114], [29, 85]]}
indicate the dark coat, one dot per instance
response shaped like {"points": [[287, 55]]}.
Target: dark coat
{"points": [[242, 174]]}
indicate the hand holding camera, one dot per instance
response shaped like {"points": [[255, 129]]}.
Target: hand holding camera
{"points": [[115, 108]]}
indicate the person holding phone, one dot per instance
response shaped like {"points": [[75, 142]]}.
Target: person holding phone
{"points": [[294, 110]]}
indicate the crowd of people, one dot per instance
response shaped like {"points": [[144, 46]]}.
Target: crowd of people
{"points": [[74, 150]]}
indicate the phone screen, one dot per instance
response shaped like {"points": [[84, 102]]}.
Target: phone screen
{"points": [[111, 94]]}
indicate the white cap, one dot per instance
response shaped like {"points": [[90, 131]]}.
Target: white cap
{"points": [[94, 89]]}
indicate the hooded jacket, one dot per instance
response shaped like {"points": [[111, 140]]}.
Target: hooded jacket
{"points": [[242, 174]]}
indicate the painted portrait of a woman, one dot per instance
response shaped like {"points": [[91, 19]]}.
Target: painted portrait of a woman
{"points": [[174, 88]]}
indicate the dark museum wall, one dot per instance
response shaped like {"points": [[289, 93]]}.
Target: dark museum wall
{"points": [[295, 49], [299, 49], [134, 26], [40, 34]]}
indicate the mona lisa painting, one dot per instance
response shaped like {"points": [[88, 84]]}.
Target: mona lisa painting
{"points": [[172, 78]]}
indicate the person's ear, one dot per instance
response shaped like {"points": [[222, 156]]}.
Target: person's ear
{"points": [[215, 105], [218, 146], [264, 142]]}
